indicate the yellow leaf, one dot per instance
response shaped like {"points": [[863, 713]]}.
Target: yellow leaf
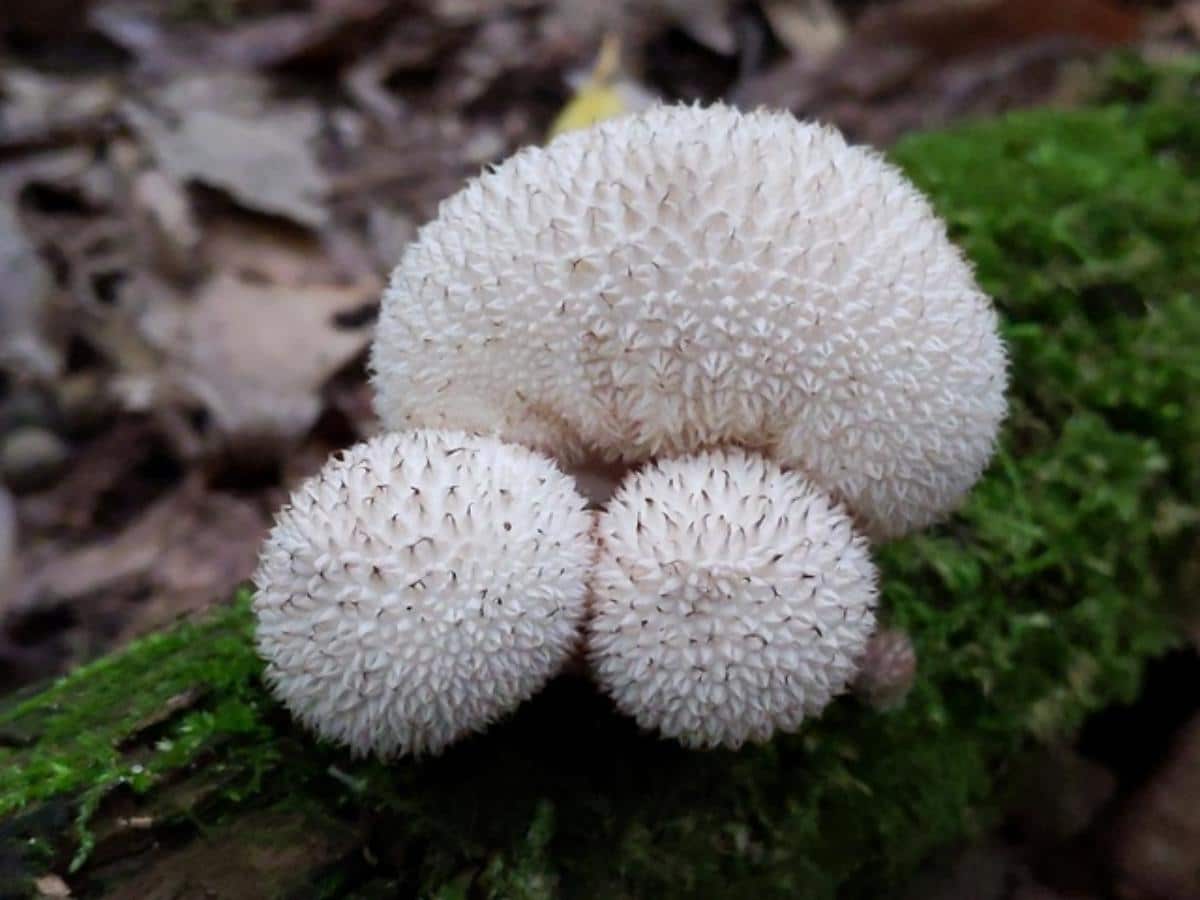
{"points": [[599, 97], [591, 104]]}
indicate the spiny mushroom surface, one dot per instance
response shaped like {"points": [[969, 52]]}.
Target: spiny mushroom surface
{"points": [[731, 599], [420, 586], [689, 278]]}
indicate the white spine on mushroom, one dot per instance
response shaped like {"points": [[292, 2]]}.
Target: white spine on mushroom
{"points": [[730, 599], [420, 586], [687, 278]]}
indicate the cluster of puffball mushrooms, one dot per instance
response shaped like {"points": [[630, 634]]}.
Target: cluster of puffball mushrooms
{"points": [[648, 392]]}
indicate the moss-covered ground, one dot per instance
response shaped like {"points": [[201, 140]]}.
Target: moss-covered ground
{"points": [[1038, 604]]}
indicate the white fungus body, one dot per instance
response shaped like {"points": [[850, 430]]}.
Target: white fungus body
{"points": [[688, 278], [420, 586], [730, 599]]}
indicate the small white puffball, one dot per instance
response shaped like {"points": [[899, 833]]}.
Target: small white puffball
{"points": [[730, 599], [687, 278], [888, 670], [420, 586]]}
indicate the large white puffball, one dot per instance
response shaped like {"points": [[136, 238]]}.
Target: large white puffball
{"points": [[422, 585], [688, 278]]}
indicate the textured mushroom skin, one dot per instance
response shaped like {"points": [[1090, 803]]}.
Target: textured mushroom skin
{"points": [[690, 278], [730, 599], [420, 586]]}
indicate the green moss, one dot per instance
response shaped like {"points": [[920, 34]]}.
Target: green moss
{"points": [[528, 872], [1038, 604], [87, 724]]}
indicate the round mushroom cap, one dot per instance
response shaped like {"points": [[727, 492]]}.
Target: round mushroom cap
{"points": [[730, 599], [689, 278], [888, 670], [420, 586]]}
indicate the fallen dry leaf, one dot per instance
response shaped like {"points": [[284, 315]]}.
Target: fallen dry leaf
{"points": [[707, 22], [8, 547], [457, 13], [101, 466], [37, 108], [493, 51], [236, 360], [256, 354], [326, 28], [256, 251], [168, 220], [138, 30], [35, 100], [389, 232], [810, 28], [189, 549], [221, 132], [83, 232], [26, 286], [162, 44]]}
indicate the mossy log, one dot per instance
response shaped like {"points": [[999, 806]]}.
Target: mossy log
{"points": [[166, 770]]}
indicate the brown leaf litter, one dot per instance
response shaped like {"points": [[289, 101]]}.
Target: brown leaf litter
{"points": [[186, 551]]}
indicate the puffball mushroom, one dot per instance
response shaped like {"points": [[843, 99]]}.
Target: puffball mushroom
{"points": [[731, 599], [888, 670], [689, 278], [420, 586], [772, 324]]}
